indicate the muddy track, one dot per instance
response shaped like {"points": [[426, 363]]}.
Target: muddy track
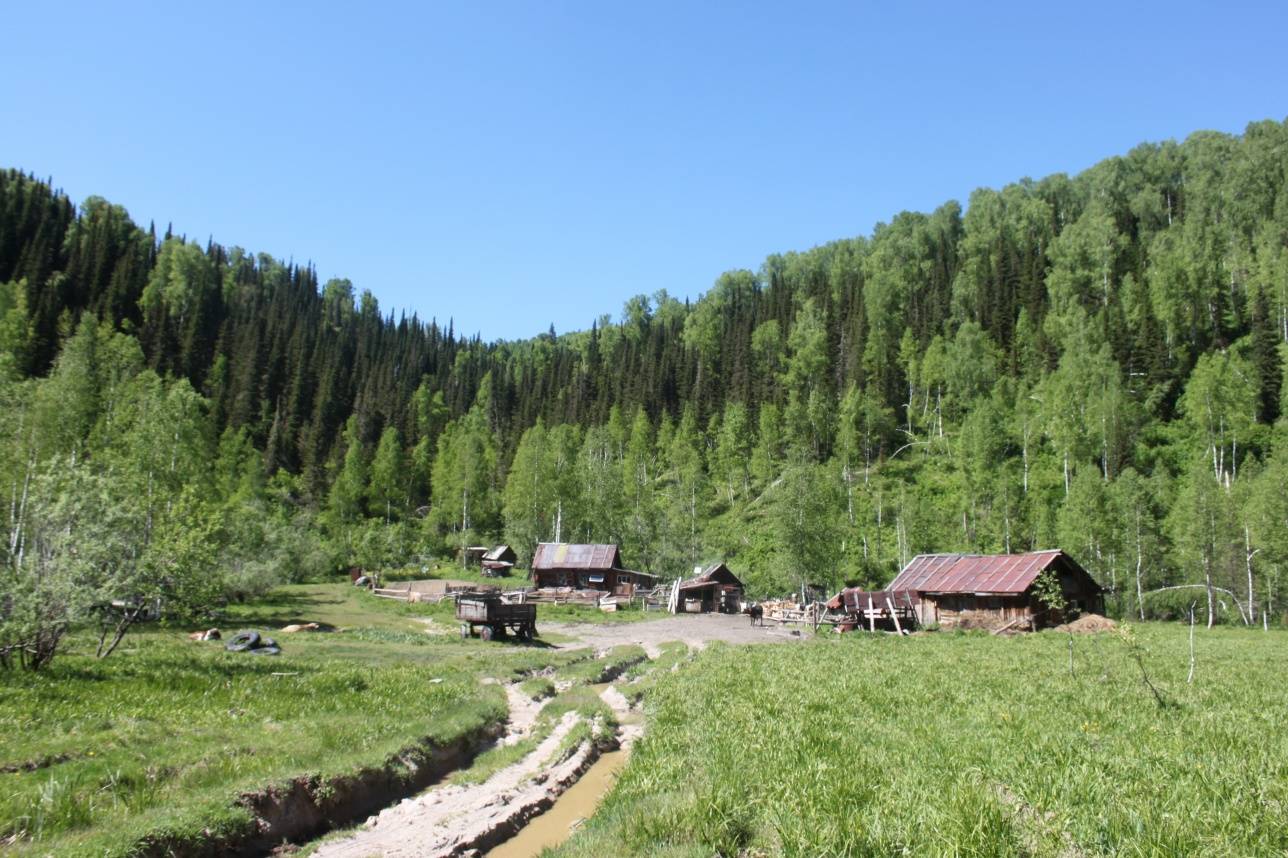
{"points": [[455, 820]]}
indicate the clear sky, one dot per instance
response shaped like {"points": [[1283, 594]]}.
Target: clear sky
{"points": [[517, 165]]}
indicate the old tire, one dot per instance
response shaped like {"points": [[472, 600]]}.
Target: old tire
{"points": [[242, 641], [266, 650], [266, 642], [487, 633]]}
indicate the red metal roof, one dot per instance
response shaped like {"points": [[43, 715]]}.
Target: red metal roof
{"points": [[564, 555], [974, 573]]}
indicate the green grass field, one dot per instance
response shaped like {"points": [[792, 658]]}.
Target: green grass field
{"points": [[948, 744], [163, 735], [938, 744]]}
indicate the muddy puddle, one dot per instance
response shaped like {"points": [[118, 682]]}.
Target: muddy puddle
{"points": [[578, 803]]}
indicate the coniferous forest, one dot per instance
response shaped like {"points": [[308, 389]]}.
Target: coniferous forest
{"points": [[1094, 362]]}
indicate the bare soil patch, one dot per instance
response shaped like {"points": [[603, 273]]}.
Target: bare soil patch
{"points": [[695, 630]]}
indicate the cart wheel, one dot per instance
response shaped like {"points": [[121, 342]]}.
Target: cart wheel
{"points": [[486, 632], [465, 630], [525, 633]]}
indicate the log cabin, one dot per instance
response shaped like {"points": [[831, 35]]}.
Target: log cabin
{"points": [[994, 590], [585, 567]]}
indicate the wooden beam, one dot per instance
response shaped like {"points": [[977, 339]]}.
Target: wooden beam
{"points": [[872, 623], [894, 615]]}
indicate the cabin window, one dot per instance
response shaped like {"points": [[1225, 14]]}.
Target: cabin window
{"points": [[596, 579], [623, 579]]}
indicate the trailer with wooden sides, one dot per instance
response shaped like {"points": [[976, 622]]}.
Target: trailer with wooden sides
{"points": [[494, 618]]}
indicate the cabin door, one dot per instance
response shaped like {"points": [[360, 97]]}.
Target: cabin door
{"points": [[625, 586]]}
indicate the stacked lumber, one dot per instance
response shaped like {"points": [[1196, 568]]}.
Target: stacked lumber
{"points": [[791, 611]]}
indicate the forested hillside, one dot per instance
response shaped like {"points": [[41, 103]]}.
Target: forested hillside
{"points": [[1095, 362]]}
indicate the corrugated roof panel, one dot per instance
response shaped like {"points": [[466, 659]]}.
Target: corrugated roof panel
{"points": [[564, 555], [974, 573], [707, 576], [920, 569]]}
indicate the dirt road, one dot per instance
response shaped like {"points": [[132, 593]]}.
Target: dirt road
{"points": [[459, 819], [696, 630]]}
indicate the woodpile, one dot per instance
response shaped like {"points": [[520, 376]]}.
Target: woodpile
{"points": [[791, 611]]}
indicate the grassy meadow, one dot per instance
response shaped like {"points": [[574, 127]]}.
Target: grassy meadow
{"points": [[961, 744], [164, 734]]}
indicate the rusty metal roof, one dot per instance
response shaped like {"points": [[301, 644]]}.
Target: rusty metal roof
{"points": [[855, 598], [710, 576], [975, 573], [565, 555]]}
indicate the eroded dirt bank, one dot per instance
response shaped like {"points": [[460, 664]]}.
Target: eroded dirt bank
{"points": [[308, 807], [468, 819]]}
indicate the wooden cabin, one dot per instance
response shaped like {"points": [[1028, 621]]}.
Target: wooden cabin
{"points": [[709, 590], [585, 567], [499, 561], [993, 591]]}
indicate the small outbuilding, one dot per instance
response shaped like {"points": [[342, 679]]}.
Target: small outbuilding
{"points": [[993, 590], [472, 554], [499, 561], [712, 589], [585, 567]]}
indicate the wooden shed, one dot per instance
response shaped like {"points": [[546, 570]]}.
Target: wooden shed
{"points": [[585, 567], [499, 560], [994, 590], [712, 589], [472, 554]]}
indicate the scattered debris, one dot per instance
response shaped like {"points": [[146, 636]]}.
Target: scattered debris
{"points": [[307, 627], [253, 643], [207, 635]]}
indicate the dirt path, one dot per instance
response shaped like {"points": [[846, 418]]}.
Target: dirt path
{"points": [[453, 819], [457, 819], [630, 725], [696, 630], [523, 714]]}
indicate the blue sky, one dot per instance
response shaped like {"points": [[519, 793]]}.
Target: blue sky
{"points": [[513, 166]]}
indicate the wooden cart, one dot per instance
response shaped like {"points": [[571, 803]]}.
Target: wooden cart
{"points": [[494, 618]]}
